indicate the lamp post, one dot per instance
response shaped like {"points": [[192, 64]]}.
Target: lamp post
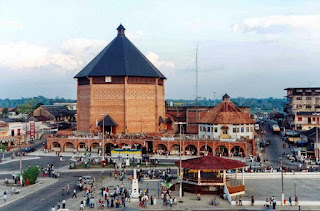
{"points": [[103, 115], [282, 188], [180, 165]]}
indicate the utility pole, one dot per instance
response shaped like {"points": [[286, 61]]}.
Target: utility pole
{"points": [[103, 116], [282, 188], [180, 164]]}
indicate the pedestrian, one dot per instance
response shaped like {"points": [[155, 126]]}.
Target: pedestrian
{"points": [[274, 203], [296, 201], [84, 199], [81, 205], [290, 200], [59, 204], [62, 190], [240, 201], [53, 208], [237, 201], [63, 204], [5, 196], [154, 200], [74, 193], [68, 189], [252, 200]]}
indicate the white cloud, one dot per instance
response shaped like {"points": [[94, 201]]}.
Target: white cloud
{"points": [[70, 55], [166, 67], [135, 34], [14, 24], [278, 24], [78, 46]]}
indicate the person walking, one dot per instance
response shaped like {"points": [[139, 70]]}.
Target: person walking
{"points": [[252, 200], [74, 193], [63, 204], [5, 196], [290, 201], [240, 201], [53, 208], [68, 189], [274, 203], [154, 200], [62, 190]]}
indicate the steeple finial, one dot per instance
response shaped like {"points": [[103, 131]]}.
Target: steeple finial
{"points": [[121, 30]]}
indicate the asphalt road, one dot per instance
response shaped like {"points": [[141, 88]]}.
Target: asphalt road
{"points": [[45, 198], [43, 161], [275, 150], [37, 145]]}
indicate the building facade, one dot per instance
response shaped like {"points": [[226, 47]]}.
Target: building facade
{"points": [[122, 84], [303, 107], [227, 123]]}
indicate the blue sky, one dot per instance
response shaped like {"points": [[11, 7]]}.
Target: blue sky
{"points": [[246, 48]]}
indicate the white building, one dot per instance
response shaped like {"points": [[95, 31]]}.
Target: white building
{"points": [[226, 122]]}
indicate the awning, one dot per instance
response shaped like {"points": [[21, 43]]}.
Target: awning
{"points": [[108, 121]]}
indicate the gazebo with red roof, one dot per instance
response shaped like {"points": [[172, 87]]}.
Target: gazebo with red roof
{"points": [[208, 175]]}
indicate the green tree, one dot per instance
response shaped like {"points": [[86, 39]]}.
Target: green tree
{"points": [[5, 112], [31, 173]]}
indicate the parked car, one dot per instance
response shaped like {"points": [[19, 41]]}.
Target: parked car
{"points": [[29, 149]]}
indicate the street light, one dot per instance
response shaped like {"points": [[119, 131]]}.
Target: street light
{"points": [[180, 166], [282, 188], [103, 115]]}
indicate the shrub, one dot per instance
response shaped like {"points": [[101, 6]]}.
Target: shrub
{"points": [[31, 173]]}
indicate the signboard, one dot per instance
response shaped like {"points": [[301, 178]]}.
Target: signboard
{"points": [[32, 129]]}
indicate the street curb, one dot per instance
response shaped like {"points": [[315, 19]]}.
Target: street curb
{"points": [[27, 194]]}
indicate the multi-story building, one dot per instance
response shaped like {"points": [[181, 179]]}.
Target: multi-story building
{"points": [[303, 107], [120, 90]]}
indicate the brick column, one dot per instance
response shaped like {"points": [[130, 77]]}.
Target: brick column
{"points": [[125, 104], [156, 106]]}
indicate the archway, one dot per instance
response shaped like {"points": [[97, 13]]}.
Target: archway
{"points": [[82, 147], [55, 146], [68, 147], [136, 146], [95, 147], [222, 150], [191, 150], [125, 146], [237, 151], [109, 147], [174, 149], [205, 150], [161, 149]]}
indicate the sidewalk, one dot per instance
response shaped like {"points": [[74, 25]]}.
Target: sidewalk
{"points": [[24, 191]]}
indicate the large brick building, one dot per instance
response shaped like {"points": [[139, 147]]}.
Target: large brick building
{"points": [[121, 90]]}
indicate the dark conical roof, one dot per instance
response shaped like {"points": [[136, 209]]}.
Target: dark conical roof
{"points": [[120, 58]]}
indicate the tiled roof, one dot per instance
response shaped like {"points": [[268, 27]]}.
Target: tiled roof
{"points": [[120, 58], [58, 111], [108, 121], [212, 163], [226, 112]]}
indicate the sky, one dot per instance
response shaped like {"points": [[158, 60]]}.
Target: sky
{"points": [[245, 48]]}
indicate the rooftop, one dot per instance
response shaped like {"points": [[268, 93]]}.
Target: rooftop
{"points": [[120, 58], [212, 163], [226, 112]]}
